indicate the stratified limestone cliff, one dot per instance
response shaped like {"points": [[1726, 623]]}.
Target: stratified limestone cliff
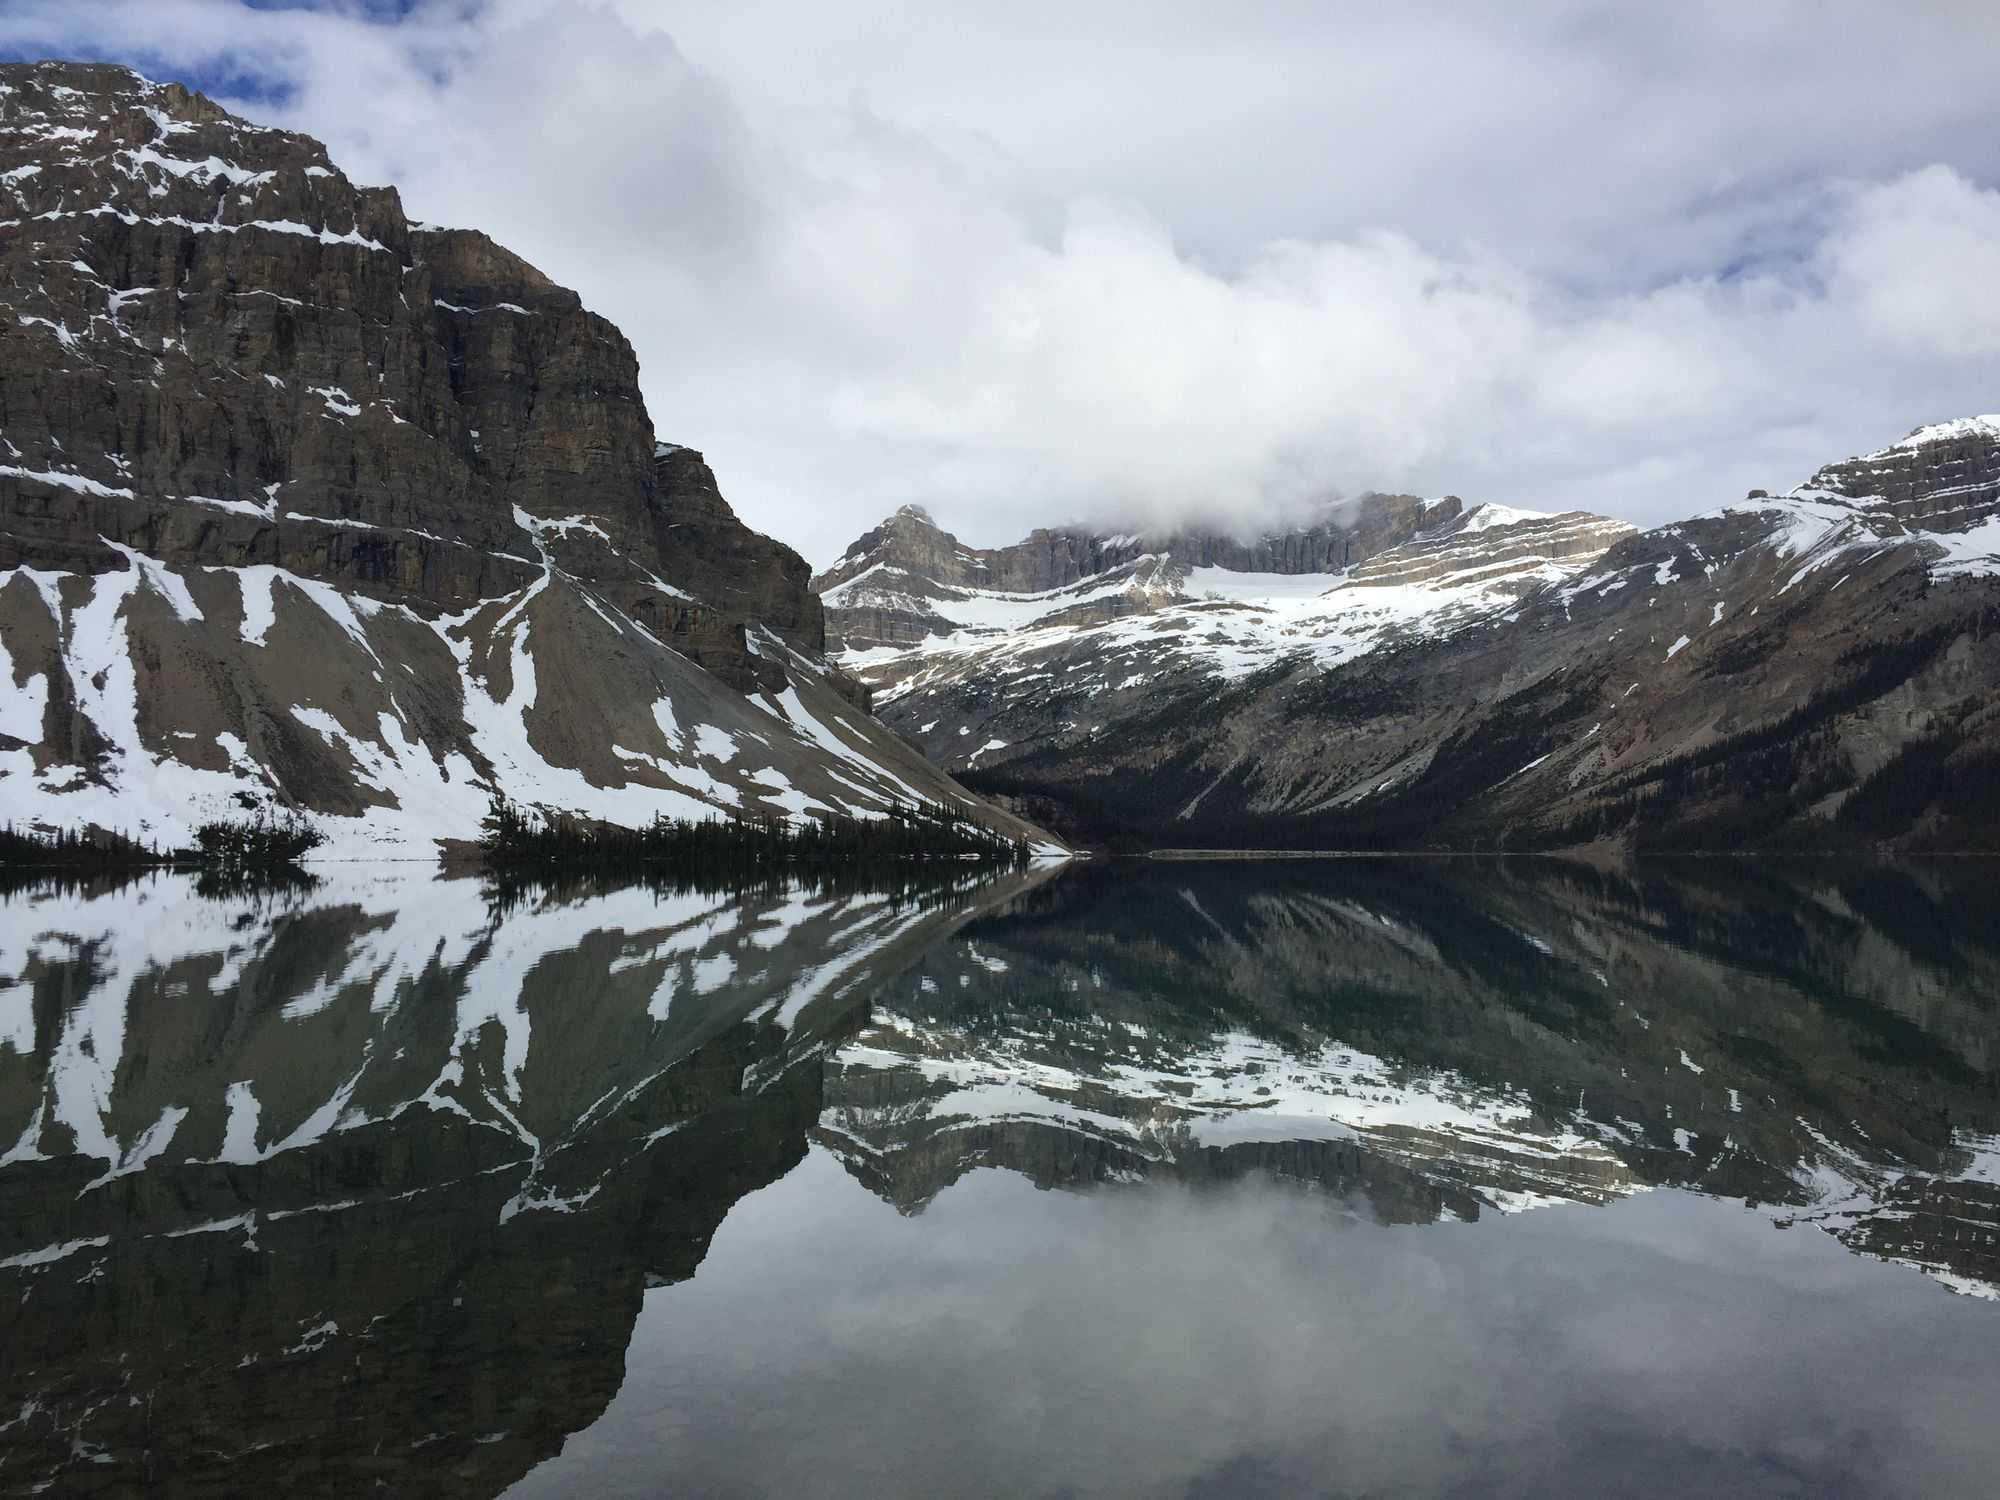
{"points": [[1492, 547], [302, 503]]}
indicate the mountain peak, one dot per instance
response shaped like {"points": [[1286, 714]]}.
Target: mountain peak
{"points": [[1943, 478], [1955, 430], [428, 548], [1487, 514]]}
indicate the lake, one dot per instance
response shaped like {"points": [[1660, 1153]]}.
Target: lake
{"points": [[1285, 1178]]}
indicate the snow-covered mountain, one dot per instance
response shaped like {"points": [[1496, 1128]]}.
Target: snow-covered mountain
{"points": [[1813, 669], [977, 670], [303, 503]]}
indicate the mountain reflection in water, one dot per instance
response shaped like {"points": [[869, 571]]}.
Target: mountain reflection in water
{"points": [[390, 1186]]}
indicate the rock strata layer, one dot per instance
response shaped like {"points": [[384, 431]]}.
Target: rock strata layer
{"points": [[303, 503]]}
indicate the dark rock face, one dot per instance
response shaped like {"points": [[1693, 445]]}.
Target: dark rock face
{"points": [[301, 502], [1348, 534], [226, 353], [1943, 478], [704, 550]]}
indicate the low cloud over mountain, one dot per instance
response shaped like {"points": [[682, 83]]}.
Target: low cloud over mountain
{"points": [[866, 274]]}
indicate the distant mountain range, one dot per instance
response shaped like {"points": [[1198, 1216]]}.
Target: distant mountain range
{"points": [[303, 504], [1807, 671]]}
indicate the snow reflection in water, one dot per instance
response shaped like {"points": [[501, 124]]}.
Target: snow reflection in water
{"points": [[390, 1183]]}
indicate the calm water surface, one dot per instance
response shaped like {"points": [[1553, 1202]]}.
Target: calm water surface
{"points": [[1331, 1179]]}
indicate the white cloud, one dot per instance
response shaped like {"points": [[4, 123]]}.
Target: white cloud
{"points": [[1919, 260], [1557, 261]]}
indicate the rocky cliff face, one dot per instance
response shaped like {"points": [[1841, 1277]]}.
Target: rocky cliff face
{"points": [[1493, 547], [1052, 558], [303, 503], [1943, 479]]}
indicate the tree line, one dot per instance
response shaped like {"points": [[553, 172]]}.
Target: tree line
{"points": [[224, 844], [740, 845]]}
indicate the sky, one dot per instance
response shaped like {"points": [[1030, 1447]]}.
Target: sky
{"points": [[1141, 264]]}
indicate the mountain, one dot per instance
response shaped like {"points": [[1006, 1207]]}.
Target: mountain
{"points": [[1057, 644], [1810, 670], [305, 504], [907, 579]]}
